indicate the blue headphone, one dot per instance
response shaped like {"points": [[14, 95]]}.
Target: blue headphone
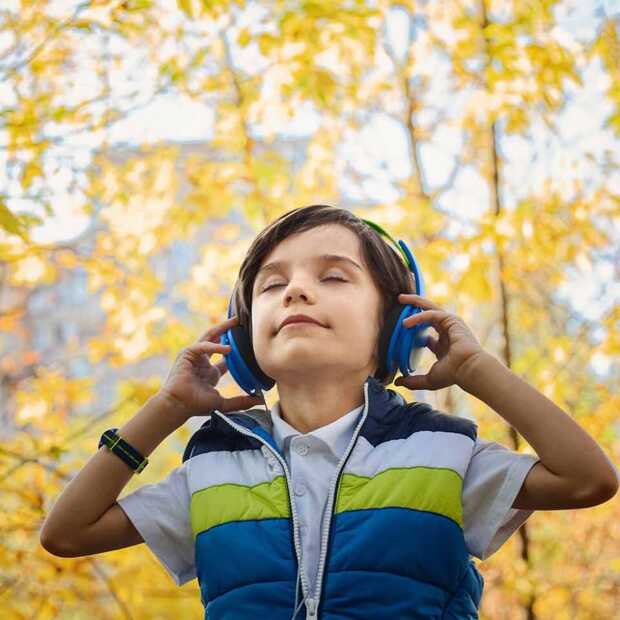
{"points": [[398, 346]]}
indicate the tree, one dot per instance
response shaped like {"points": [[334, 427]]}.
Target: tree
{"points": [[499, 78]]}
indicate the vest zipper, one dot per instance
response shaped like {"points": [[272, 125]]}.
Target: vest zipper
{"points": [[330, 508], [304, 583], [310, 609]]}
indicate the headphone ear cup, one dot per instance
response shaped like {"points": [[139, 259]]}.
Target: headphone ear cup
{"points": [[387, 367], [245, 349], [241, 361], [405, 345], [409, 343]]}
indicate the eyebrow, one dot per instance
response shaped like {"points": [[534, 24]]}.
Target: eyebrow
{"points": [[324, 258]]}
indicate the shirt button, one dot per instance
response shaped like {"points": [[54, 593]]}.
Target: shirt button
{"points": [[299, 489], [302, 449]]}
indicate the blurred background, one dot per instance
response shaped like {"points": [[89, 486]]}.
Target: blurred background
{"points": [[144, 143]]}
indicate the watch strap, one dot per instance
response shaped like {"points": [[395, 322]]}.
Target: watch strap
{"points": [[125, 451]]}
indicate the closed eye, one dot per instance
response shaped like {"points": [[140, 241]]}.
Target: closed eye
{"points": [[323, 280]]}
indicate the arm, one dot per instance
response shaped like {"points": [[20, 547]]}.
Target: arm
{"points": [[574, 472], [85, 518]]}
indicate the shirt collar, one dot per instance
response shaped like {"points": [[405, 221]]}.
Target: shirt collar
{"points": [[336, 434]]}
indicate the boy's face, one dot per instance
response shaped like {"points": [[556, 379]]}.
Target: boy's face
{"points": [[346, 343]]}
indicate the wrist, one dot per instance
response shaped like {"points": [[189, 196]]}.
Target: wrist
{"points": [[172, 407], [157, 419], [470, 372]]}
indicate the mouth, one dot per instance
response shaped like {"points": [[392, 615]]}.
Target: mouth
{"points": [[300, 323]]}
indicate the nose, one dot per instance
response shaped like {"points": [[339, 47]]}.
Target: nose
{"points": [[296, 291], [295, 295]]}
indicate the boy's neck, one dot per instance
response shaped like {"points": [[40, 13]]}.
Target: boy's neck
{"points": [[307, 408]]}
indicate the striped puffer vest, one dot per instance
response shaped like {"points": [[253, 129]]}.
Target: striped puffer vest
{"points": [[392, 539]]}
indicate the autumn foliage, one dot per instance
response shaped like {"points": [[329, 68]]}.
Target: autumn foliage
{"points": [[485, 133]]}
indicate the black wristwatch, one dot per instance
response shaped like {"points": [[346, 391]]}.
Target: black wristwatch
{"points": [[115, 443]]}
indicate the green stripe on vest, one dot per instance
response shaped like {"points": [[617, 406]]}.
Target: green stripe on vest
{"points": [[430, 489], [223, 503]]}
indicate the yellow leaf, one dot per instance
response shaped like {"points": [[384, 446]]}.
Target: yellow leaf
{"points": [[11, 222], [187, 6], [244, 37], [31, 171]]}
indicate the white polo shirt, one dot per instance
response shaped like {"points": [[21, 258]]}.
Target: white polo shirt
{"points": [[312, 459], [160, 512]]}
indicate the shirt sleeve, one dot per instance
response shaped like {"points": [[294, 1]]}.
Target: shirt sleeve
{"points": [[160, 512], [492, 482]]}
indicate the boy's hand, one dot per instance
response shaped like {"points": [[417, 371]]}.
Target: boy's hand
{"points": [[455, 346], [191, 382]]}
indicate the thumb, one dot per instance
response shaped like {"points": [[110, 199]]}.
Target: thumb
{"points": [[414, 382], [238, 403]]}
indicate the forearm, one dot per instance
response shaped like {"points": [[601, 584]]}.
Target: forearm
{"points": [[562, 445], [98, 484]]}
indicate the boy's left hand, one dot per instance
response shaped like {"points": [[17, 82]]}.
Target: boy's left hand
{"points": [[455, 346]]}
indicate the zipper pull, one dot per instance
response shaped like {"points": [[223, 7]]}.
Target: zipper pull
{"points": [[310, 608]]}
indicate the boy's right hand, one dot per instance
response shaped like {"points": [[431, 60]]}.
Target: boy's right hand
{"points": [[191, 381]]}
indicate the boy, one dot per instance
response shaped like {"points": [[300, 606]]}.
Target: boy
{"points": [[373, 505]]}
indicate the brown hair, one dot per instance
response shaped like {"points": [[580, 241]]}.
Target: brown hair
{"points": [[387, 268]]}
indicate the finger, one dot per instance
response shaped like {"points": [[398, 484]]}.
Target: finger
{"points": [[417, 300], [431, 343], [222, 367], [432, 316], [414, 382], [236, 403], [209, 348], [214, 332]]}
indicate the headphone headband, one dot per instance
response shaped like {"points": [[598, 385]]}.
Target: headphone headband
{"points": [[408, 258]]}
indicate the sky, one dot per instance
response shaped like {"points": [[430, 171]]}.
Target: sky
{"points": [[380, 150]]}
